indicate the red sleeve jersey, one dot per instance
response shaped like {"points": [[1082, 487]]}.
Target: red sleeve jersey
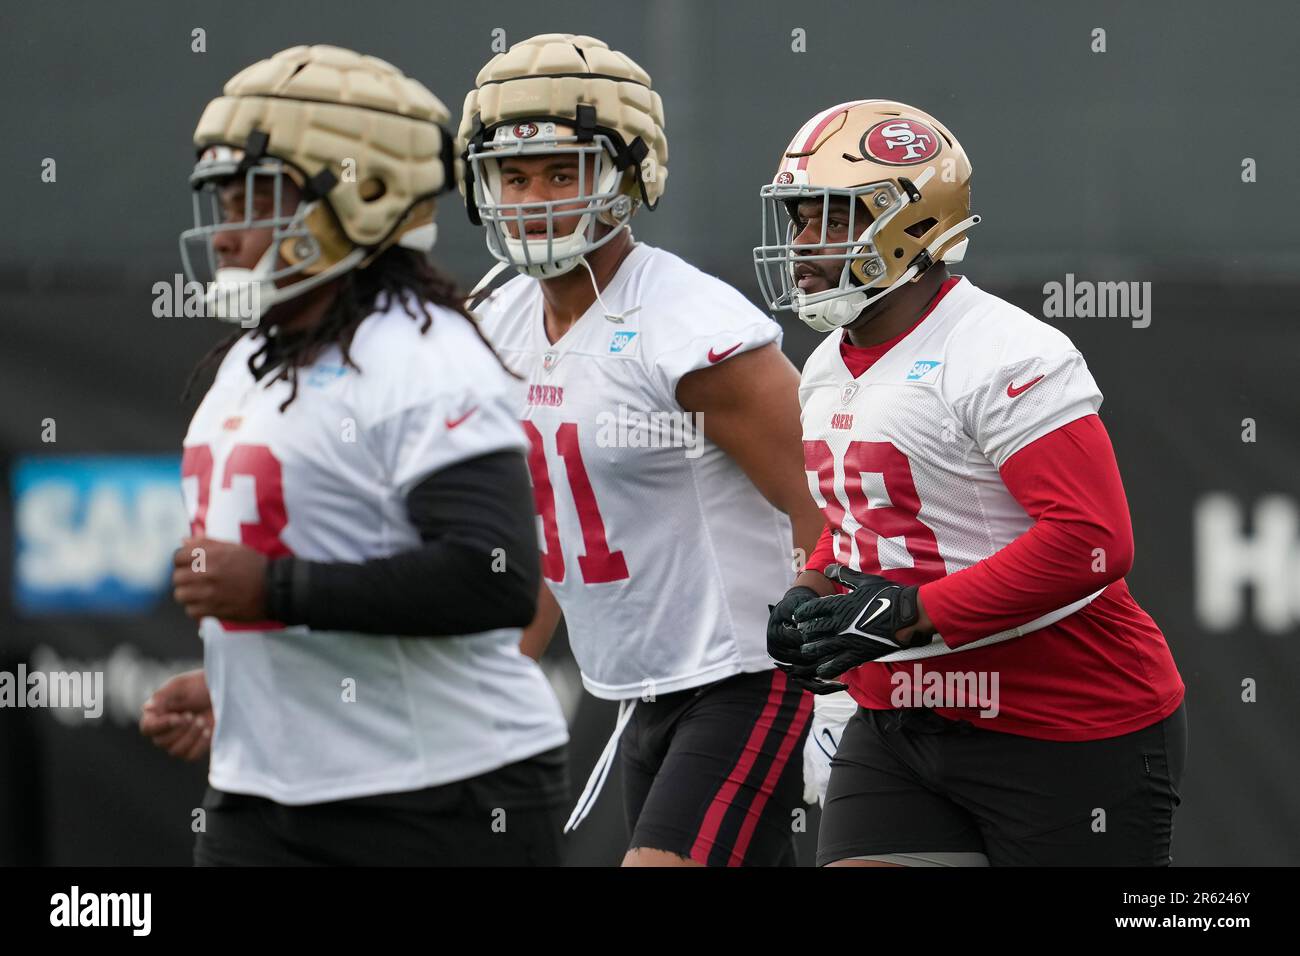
{"points": [[1102, 671]]}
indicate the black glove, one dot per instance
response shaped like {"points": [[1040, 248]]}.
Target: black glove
{"points": [[845, 630], [783, 638], [784, 642]]}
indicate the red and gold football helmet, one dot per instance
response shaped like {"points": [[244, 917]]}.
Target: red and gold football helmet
{"points": [[906, 180]]}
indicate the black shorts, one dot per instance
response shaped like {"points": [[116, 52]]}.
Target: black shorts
{"points": [[912, 782], [508, 817], [714, 773]]}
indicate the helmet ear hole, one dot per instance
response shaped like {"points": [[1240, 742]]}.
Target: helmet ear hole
{"points": [[898, 253], [372, 189], [918, 229]]}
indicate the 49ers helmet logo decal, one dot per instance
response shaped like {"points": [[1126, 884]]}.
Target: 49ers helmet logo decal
{"points": [[525, 130], [900, 142]]}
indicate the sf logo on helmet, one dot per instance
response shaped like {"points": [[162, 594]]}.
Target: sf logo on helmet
{"points": [[525, 130], [900, 142]]}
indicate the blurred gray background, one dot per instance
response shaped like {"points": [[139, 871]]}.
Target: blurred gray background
{"points": [[1123, 165], [1126, 161]]}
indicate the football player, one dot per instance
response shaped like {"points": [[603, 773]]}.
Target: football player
{"points": [[665, 456], [1017, 706], [363, 553]]}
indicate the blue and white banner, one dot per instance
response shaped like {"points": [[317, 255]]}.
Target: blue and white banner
{"points": [[95, 533]]}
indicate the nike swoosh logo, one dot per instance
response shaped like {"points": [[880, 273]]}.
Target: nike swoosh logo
{"points": [[830, 754], [453, 422], [1012, 391], [719, 356], [880, 609]]}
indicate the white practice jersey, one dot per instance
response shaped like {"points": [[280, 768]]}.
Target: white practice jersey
{"points": [[904, 459], [307, 716], [661, 553]]}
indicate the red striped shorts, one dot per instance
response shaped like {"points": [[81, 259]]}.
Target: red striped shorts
{"points": [[715, 773]]}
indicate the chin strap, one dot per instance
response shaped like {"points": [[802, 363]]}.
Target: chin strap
{"points": [[839, 312], [220, 290], [421, 238], [612, 316], [477, 294], [925, 258]]}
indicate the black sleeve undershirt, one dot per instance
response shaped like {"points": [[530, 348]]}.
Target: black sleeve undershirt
{"points": [[456, 582]]}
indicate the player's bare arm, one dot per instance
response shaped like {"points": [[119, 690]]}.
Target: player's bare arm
{"points": [[750, 409], [539, 632]]}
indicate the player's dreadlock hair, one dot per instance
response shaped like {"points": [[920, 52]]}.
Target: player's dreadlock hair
{"points": [[404, 274]]}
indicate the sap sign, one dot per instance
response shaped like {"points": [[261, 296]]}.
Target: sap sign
{"points": [[95, 534]]}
